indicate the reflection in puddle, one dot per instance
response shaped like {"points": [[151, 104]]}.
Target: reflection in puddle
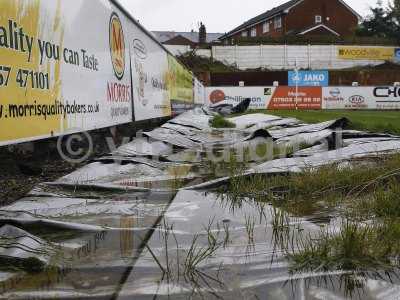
{"points": [[125, 227], [203, 247]]}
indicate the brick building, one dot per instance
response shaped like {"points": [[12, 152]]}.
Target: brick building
{"points": [[299, 17], [191, 39]]}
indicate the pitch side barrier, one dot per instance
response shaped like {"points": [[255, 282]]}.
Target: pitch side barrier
{"points": [[75, 66], [308, 98]]}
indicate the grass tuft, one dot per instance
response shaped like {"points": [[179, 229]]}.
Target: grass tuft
{"points": [[220, 122], [357, 247]]}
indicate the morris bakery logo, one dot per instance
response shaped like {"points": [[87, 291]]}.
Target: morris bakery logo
{"points": [[117, 46], [118, 93]]}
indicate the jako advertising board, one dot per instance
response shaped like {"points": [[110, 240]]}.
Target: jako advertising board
{"points": [[308, 78], [61, 69], [381, 98], [397, 54], [259, 96]]}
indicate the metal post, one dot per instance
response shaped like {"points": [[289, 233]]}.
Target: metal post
{"points": [[236, 58], [296, 69]]}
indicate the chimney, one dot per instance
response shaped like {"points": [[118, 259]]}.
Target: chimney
{"points": [[202, 34]]}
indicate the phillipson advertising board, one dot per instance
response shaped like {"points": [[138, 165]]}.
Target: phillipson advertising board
{"points": [[260, 96], [380, 98], [61, 69]]}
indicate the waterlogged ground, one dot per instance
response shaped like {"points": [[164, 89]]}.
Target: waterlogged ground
{"points": [[129, 226]]}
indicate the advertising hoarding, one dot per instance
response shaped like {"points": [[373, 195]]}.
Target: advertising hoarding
{"points": [[273, 98], [64, 71], [199, 92], [180, 86], [260, 96], [309, 98], [61, 70], [379, 98], [348, 98], [366, 53], [308, 78], [287, 98], [397, 54], [149, 76]]}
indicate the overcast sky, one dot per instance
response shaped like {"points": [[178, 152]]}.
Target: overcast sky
{"points": [[218, 15]]}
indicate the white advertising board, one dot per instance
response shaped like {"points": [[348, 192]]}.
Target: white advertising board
{"points": [[380, 98], [73, 66], [149, 74], [260, 96], [62, 70]]}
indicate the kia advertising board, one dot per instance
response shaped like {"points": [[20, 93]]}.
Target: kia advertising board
{"points": [[381, 98], [308, 78], [348, 98]]}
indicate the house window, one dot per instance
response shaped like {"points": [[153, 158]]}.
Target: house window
{"points": [[266, 27], [318, 19], [244, 33], [254, 32], [278, 22]]}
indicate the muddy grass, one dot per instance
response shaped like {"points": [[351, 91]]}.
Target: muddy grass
{"points": [[374, 121], [364, 196], [21, 173]]}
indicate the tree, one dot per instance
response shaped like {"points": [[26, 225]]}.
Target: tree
{"points": [[394, 16], [383, 22]]}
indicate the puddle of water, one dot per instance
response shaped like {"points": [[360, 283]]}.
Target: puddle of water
{"points": [[125, 229], [203, 246]]}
